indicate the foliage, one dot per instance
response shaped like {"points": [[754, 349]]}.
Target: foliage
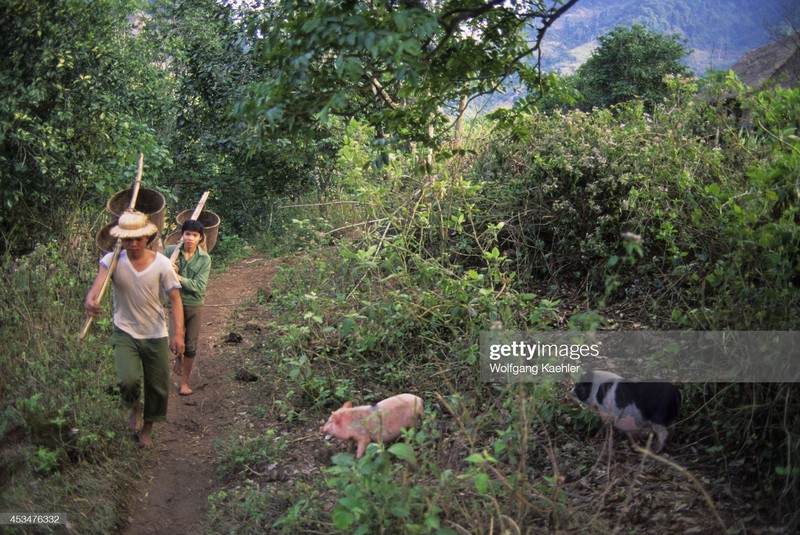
{"points": [[230, 248], [372, 500], [251, 508], [669, 212], [629, 64], [394, 64], [203, 45], [760, 221], [765, 423], [80, 101], [709, 212], [246, 453], [583, 187]]}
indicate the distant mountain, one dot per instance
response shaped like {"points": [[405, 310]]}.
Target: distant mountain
{"points": [[777, 62], [718, 32]]}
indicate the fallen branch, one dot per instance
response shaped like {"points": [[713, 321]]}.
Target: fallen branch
{"points": [[303, 438], [356, 225], [318, 204]]}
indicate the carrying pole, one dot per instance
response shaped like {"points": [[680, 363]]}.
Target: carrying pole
{"points": [[197, 211], [118, 247]]}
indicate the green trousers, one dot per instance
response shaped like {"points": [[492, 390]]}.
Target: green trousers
{"points": [[143, 365]]}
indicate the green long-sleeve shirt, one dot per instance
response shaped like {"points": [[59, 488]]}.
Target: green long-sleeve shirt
{"points": [[194, 276]]}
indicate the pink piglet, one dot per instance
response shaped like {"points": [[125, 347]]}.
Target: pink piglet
{"points": [[382, 422]]}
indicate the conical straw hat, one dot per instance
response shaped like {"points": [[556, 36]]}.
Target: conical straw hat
{"points": [[133, 224]]}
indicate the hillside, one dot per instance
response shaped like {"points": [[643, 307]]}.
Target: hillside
{"points": [[718, 32]]}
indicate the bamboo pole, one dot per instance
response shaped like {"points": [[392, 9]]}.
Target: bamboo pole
{"points": [[118, 247], [197, 211]]}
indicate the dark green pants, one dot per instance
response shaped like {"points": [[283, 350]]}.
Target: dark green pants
{"points": [[143, 365]]}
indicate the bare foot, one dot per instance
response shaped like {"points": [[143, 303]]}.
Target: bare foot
{"points": [[145, 440], [185, 390], [135, 418]]}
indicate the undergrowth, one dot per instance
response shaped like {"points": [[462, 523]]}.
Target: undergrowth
{"points": [[615, 219], [60, 420]]}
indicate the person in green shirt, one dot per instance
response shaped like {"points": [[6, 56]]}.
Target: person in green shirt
{"points": [[193, 266]]}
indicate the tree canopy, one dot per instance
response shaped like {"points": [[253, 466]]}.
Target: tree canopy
{"points": [[80, 99], [631, 63], [203, 44], [398, 63]]}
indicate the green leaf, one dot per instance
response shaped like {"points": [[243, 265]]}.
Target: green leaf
{"points": [[400, 510], [480, 458], [482, 482], [343, 519], [343, 459], [403, 451], [347, 326]]}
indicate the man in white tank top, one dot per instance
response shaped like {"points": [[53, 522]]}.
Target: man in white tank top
{"points": [[140, 337]]}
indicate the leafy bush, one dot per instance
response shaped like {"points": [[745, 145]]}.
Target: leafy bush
{"points": [[372, 500], [755, 282], [630, 64], [590, 179], [81, 99], [677, 209]]}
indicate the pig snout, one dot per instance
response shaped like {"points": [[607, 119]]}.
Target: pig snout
{"points": [[328, 428]]}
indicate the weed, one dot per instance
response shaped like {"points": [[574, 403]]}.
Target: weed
{"points": [[243, 452], [378, 495]]}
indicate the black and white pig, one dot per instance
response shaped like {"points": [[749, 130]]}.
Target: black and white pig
{"points": [[631, 405]]}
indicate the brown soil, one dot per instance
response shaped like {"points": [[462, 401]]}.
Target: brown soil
{"points": [[179, 473]]}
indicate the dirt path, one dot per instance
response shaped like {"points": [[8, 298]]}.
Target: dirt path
{"points": [[179, 474]]}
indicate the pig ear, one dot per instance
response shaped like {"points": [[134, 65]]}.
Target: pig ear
{"points": [[347, 405], [336, 418]]}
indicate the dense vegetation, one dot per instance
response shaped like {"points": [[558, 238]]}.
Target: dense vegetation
{"points": [[671, 213]]}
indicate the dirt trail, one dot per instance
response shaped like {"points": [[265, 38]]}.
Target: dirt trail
{"points": [[179, 475]]}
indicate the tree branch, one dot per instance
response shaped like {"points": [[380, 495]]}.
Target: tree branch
{"points": [[378, 89]]}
